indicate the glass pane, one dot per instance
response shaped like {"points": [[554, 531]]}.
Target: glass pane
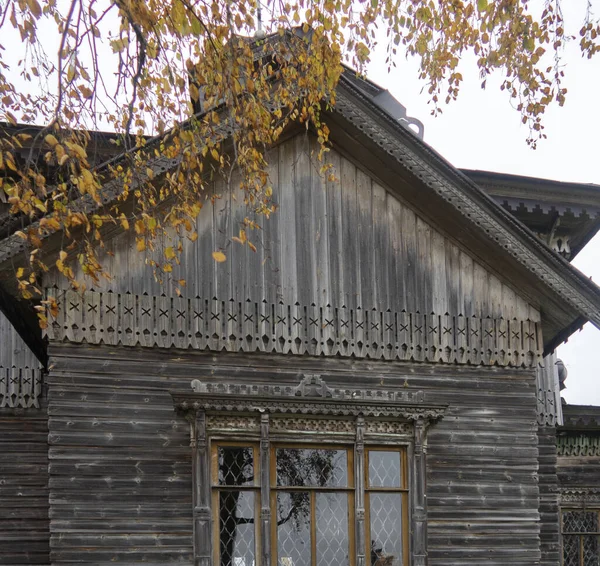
{"points": [[236, 528], [311, 467], [293, 529], [236, 465], [580, 522], [386, 529], [571, 551], [590, 551], [332, 529], [384, 468]]}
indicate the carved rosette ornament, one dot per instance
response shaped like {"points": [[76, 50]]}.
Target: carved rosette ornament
{"points": [[314, 410]]}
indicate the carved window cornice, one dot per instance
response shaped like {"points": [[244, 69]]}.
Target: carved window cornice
{"points": [[311, 397]]}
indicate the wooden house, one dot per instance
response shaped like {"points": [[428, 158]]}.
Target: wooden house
{"points": [[375, 385]]}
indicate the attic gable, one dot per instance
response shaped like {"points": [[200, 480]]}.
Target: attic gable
{"points": [[441, 194]]}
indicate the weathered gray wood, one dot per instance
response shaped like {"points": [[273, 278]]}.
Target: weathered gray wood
{"points": [[24, 523], [379, 243], [122, 490]]}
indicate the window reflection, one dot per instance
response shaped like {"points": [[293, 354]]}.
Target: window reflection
{"points": [[236, 528], [293, 529], [312, 467], [385, 512]]}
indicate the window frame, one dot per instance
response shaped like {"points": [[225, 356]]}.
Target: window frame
{"points": [[308, 412], [579, 534]]}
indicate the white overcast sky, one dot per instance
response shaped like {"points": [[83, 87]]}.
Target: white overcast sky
{"points": [[481, 130]]}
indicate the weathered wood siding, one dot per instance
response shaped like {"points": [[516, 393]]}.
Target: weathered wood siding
{"points": [[24, 532], [549, 506], [24, 524], [349, 242], [120, 470]]}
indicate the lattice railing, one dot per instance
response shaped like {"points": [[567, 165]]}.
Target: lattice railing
{"points": [[213, 324], [20, 388]]}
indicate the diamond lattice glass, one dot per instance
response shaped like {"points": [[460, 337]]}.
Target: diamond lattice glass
{"points": [[590, 551], [384, 468], [293, 529], [332, 529], [236, 465], [236, 528], [580, 521], [385, 512]]}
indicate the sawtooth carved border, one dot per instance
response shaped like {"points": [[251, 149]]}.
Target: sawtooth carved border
{"points": [[20, 388], [234, 326]]}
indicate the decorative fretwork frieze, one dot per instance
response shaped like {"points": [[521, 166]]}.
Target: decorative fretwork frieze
{"points": [[578, 445], [20, 388], [580, 495], [213, 324], [232, 423], [313, 426]]}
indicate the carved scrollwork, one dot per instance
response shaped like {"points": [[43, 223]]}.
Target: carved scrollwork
{"points": [[307, 424], [311, 397]]}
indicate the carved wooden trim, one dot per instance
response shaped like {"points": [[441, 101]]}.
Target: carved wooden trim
{"points": [[20, 388], [581, 495], [578, 445], [408, 419], [311, 397], [203, 324]]}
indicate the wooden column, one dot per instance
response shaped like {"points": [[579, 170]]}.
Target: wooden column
{"points": [[359, 478], [419, 515], [265, 504], [201, 492]]}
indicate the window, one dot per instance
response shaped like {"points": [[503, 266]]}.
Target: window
{"points": [[312, 493], [580, 537], [308, 475]]}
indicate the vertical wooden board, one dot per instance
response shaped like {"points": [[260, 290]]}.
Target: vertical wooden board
{"points": [[335, 235], [181, 309], [319, 227], [396, 257], [92, 317], [127, 326], [365, 267], [305, 240], [452, 254], [383, 262], [495, 306], [410, 259], [146, 322], [349, 235], [424, 267], [287, 220], [110, 316], [73, 316], [466, 285], [238, 262], [271, 237], [480, 291], [222, 241], [438, 274], [204, 264], [164, 317]]}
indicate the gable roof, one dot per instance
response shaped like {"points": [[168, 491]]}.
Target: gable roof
{"points": [[363, 128]]}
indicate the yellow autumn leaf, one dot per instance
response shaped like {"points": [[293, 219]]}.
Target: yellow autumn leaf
{"points": [[140, 244], [169, 253], [51, 140], [219, 257]]}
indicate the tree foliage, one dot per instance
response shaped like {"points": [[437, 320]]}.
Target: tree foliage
{"points": [[217, 93]]}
